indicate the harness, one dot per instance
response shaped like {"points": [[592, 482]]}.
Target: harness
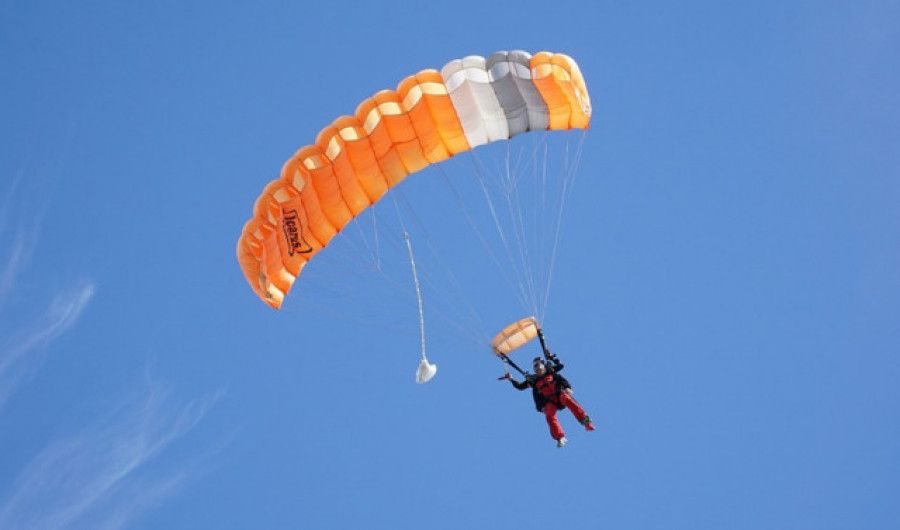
{"points": [[547, 385], [547, 389]]}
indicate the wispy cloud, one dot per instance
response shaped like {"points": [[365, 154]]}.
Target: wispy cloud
{"points": [[105, 474], [20, 354], [22, 211], [18, 255], [22, 242], [101, 477], [21, 215]]}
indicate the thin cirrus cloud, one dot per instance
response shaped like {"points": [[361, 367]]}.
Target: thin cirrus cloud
{"points": [[108, 474], [21, 350], [23, 242], [20, 354], [10, 269]]}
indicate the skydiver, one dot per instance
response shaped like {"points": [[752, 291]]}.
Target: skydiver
{"points": [[551, 392]]}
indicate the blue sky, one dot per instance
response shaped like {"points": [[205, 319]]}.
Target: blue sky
{"points": [[725, 294]]}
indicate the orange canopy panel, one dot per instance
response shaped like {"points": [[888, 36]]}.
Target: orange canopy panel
{"points": [[430, 117]]}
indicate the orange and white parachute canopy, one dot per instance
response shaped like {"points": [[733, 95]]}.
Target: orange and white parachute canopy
{"points": [[515, 336], [431, 116]]}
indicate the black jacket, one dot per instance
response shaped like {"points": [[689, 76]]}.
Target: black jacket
{"points": [[540, 400]]}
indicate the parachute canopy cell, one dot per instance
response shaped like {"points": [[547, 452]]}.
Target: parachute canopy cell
{"points": [[431, 116], [515, 336]]}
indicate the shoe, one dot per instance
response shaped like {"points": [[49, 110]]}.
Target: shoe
{"points": [[588, 423], [561, 442]]}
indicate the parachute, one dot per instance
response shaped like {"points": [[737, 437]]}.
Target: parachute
{"points": [[515, 336], [430, 117]]}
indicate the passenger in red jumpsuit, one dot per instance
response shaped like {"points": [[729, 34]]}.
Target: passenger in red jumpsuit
{"points": [[551, 393]]}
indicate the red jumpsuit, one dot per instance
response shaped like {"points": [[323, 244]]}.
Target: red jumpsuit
{"points": [[550, 396], [557, 399]]}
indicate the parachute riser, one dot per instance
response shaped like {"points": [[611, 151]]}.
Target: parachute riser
{"points": [[540, 334], [509, 361]]}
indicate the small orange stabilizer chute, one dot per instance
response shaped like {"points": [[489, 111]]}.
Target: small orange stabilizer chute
{"points": [[515, 336]]}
